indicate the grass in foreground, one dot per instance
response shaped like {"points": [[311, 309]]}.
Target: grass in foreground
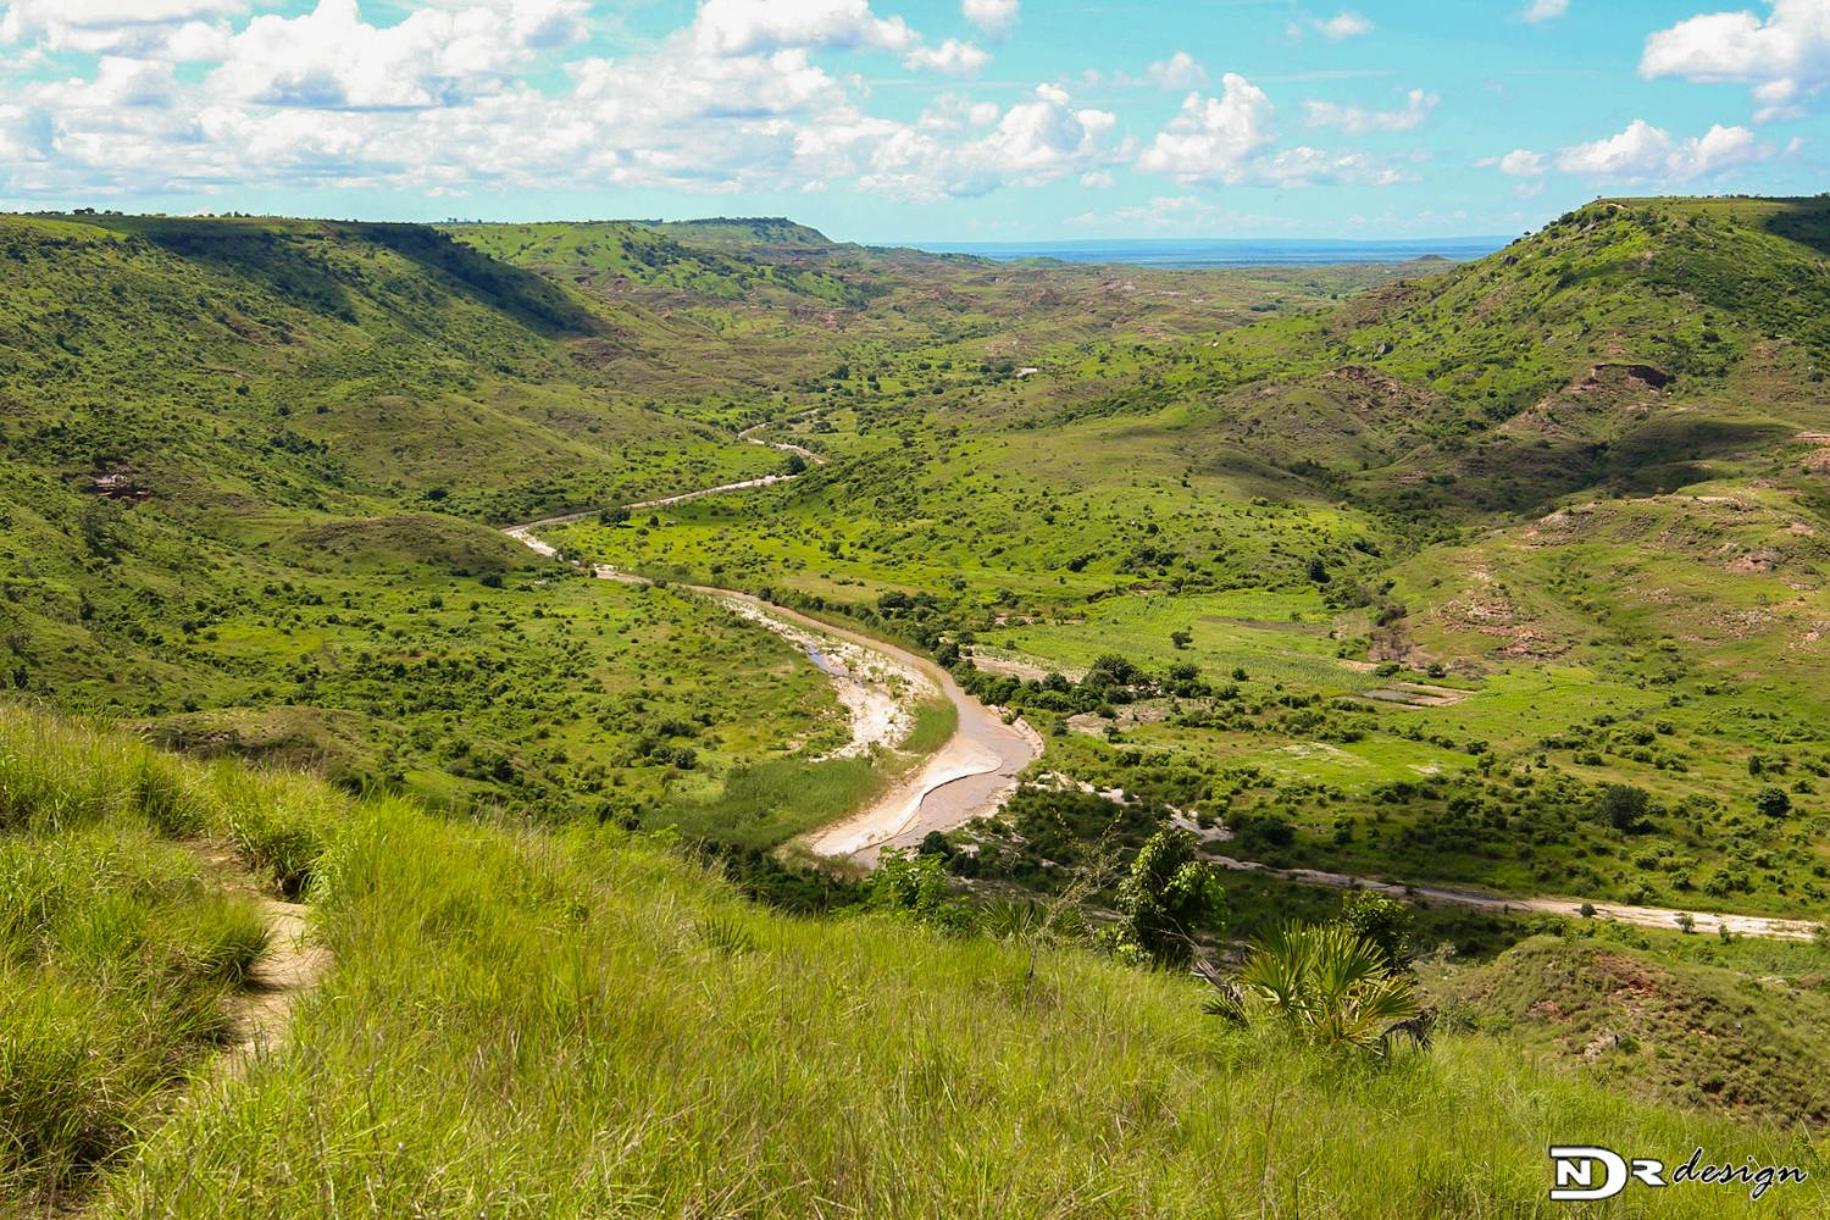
{"points": [[565, 1023], [116, 957]]}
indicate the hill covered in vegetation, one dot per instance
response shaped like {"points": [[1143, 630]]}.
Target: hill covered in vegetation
{"points": [[585, 1022], [1499, 581]]}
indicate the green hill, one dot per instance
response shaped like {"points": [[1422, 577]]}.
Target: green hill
{"points": [[1509, 575], [1447, 557], [578, 1022], [1627, 344]]}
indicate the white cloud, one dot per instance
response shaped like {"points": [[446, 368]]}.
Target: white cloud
{"points": [[1046, 137], [1214, 139], [331, 59], [961, 149], [1180, 71], [1785, 56], [1544, 10], [1521, 163], [1230, 139], [952, 57], [1344, 24], [957, 112], [103, 27], [745, 27], [1643, 151], [1356, 120], [463, 95], [995, 17], [1305, 166]]}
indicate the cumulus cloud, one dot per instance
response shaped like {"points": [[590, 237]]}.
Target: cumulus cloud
{"points": [[1344, 24], [1037, 141], [1231, 139], [1520, 163], [331, 59], [103, 27], [462, 95], [995, 17], [1643, 151], [1784, 55], [952, 57], [438, 102], [1214, 139], [1180, 71], [742, 27], [1356, 120], [1544, 10]]}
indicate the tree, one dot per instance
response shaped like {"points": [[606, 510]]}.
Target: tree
{"points": [[1166, 895], [1111, 669], [1771, 801], [1181, 638], [1329, 986], [1382, 920], [796, 464], [1622, 806], [99, 525]]}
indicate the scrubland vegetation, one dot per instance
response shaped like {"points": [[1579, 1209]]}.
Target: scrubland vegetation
{"points": [[1509, 576]]}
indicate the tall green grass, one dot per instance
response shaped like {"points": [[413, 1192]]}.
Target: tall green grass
{"points": [[770, 802], [57, 776], [119, 948], [574, 1024], [116, 956], [579, 1022]]}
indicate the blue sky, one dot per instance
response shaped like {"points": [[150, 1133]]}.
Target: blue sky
{"points": [[882, 120]]}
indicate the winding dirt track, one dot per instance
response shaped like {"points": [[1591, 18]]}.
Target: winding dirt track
{"points": [[1646, 917], [261, 1013]]}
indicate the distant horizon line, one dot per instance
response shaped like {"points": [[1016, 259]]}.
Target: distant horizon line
{"points": [[929, 245], [1186, 240]]}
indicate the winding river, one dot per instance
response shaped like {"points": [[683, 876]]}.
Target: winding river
{"points": [[970, 776], [977, 768]]}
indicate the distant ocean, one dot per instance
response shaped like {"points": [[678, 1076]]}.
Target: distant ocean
{"points": [[1226, 252]]}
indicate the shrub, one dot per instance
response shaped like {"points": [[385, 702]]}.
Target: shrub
{"points": [[1167, 894], [1771, 801]]}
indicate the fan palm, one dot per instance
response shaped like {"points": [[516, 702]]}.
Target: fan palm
{"points": [[1332, 987]]}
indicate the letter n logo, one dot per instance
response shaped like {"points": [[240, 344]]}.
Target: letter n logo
{"points": [[1584, 1173]]}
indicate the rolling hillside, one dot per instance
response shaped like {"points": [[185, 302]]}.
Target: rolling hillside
{"points": [[1507, 577]]}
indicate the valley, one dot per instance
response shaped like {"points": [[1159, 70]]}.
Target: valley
{"points": [[600, 631]]}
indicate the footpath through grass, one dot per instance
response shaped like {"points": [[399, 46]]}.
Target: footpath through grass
{"points": [[118, 951]]}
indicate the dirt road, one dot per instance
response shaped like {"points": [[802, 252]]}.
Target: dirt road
{"points": [[1646, 917]]}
